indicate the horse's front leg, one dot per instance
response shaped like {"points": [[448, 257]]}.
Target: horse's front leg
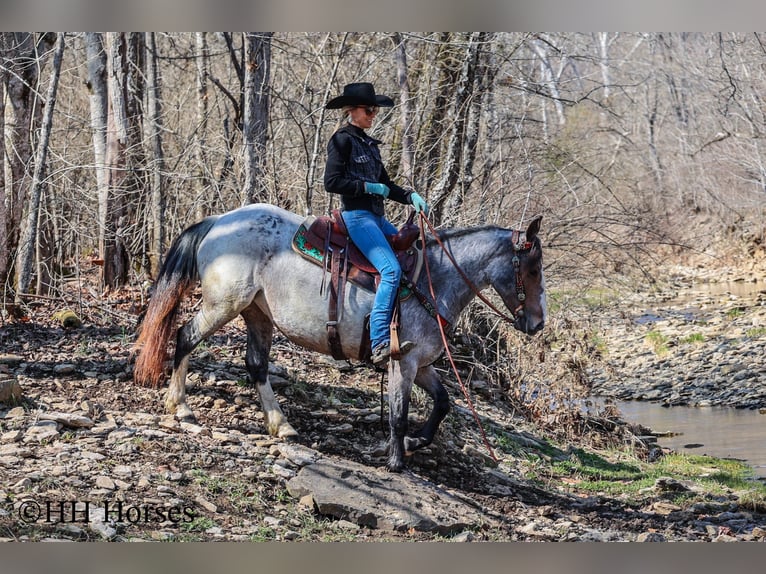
{"points": [[400, 377], [428, 379]]}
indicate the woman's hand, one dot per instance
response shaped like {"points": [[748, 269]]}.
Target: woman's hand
{"points": [[376, 188], [419, 203]]}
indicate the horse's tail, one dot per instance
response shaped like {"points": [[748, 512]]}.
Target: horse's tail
{"points": [[177, 277]]}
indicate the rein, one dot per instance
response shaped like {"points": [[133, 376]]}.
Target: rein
{"points": [[441, 322], [518, 245]]}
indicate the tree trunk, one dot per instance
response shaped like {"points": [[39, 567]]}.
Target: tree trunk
{"points": [[99, 94], [25, 56], [451, 165], [257, 73], [407, 112], [5, 254], [475, 108], [27, 246], [154, 105], [112, 206], [200, 134], [314, 158]]}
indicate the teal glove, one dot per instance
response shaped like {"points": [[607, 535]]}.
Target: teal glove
{"points": [[419, 203], [376, 188]]}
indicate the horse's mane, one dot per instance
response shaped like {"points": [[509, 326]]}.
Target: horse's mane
{"points": [[458, 232], [447, 235]]}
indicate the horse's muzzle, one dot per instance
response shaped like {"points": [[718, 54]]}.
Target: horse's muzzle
{"points": [[528, 325]]}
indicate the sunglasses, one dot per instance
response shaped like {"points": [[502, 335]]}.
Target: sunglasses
{"points": [[370, 110]]}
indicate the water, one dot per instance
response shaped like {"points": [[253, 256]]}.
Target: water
{"points": [[714, 431]]}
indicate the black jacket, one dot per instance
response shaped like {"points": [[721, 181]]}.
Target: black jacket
{"points": [[353, 158]]}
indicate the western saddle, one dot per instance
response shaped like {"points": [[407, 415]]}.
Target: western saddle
{"points": [[324, 240]]}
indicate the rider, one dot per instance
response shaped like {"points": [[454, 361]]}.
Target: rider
{"points": [[355, 171]]}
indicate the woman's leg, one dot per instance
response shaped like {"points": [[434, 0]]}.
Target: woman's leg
{"points": [[368, 232]]}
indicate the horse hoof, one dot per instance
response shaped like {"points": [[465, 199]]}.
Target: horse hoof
{"points": [[184, 413], [411, 444], [286, 431], [395, 466]]}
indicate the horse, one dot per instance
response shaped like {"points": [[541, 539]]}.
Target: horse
{"points": [[245, 265]]}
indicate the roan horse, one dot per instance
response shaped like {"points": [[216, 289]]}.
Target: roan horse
{"points": [[246, 266]]}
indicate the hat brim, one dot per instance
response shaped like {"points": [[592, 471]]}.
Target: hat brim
{"points": [[340, 101]]}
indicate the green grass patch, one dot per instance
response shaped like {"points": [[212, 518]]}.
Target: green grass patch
{"points": [[756, 332], [735, 312], [591, 472], [693, 339], [657, 341]]}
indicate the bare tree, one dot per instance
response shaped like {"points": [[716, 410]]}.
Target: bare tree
{"points": [[29, 238], [202, 58], [24, 56], [154, 109], [256, 88], [407, 113], [451, 162], [5, 254]]}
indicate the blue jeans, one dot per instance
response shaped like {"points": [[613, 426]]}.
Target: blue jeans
{"points": [[368, 232]]}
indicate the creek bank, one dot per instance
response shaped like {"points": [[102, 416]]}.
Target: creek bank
{"points": [[704, 349]]}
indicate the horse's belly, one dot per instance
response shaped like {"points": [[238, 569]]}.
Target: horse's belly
{"points": [[302, 315]]}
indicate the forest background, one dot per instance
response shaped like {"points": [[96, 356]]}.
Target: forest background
{"points": [[633, 146]]}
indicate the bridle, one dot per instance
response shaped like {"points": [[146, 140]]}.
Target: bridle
{"points": [[520, 246]]}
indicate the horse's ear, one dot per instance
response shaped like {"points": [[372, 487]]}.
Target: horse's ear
{"points": [[534, 227]]}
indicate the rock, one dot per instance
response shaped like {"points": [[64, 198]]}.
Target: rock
{"points": [[466, 536], [9, 359], [105, 482], [67, 419], [67, 318], [10, 390], [64, 369], [379, 499], [650, 537], [42, 432], [298, 454], [11, 436], [206, 504], [195, 429]]}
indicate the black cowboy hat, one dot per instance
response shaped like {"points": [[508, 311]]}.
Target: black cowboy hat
{"points": [[359, 94]]}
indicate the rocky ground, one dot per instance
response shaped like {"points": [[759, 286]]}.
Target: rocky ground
{"points": [[698, 345], [87, 455]]}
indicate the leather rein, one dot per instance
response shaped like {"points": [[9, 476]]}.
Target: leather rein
{"points": [[518, 247]]}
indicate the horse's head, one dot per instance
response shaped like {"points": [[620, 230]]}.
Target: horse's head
{"points": [[523, 286]]}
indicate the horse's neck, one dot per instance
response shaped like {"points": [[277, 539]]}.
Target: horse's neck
{"points": [[472, 251]]}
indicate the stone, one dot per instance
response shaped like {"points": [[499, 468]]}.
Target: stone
{"points": [[64, 369], [206, 504], [10, 390], [377, 498], [650, 537], [105, 482], [67, 419], [9, 359]]}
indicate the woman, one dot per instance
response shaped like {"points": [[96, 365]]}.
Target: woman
{"points": [[355, 171]]}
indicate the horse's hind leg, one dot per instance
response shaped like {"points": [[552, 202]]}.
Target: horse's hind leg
{"points": [[429, 380], [206, 322], [259, 334]]}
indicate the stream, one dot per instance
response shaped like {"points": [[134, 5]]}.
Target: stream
{"points": [[723, 432], [723, 314]]}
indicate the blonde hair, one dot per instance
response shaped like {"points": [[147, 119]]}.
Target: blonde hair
{"points": [[345, 117]]}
